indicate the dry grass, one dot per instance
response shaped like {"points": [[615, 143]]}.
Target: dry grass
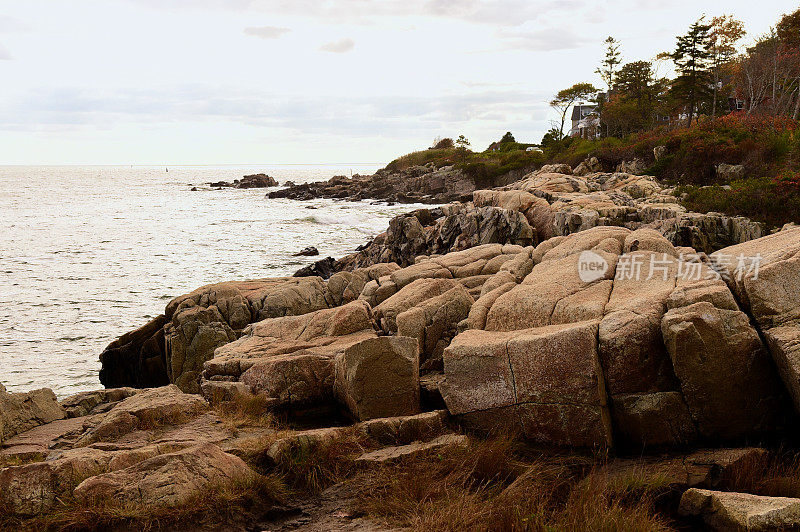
{"points": [[247, 411], [490, 486], [312, 468], [213, 509], [775, 474]]}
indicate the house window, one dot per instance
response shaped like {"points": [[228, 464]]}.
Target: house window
{"points": [[739, 105]]}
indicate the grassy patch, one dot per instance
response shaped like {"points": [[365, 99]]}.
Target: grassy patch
{"points": [[12, 461], [248, 411], [439, 158], [310, 468], [492, 486], [484, 168], [775, 474]]}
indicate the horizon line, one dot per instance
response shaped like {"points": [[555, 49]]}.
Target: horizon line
{"points": [[186, 165]]}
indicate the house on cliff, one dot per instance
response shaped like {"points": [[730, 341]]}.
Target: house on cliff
{"points": [[585, 121]]}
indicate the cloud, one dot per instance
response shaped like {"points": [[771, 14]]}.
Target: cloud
{"points": [[266, 32], [11, 24], [491, 12], [4, 54], [71, 108], [339, 47], [544, 40]]}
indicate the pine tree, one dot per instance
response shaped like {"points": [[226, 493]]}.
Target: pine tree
{"points": [[692, 58], [609, 65]]}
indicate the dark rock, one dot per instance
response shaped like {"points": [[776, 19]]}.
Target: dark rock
{"points": [[136, 358], [322, 268], [419, 184], [310, 251], [249, 181]]}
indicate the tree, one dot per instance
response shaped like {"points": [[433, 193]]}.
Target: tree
{"points": [[440, 143], [788, 30], [768, 75], [553, 139], [462, 142], [609, 64], [508, 137], [692, 58], [726, 31], [638, 97], [566, 98]]}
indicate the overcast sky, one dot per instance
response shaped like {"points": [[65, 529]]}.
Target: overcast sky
{"points": [[302, 81]]}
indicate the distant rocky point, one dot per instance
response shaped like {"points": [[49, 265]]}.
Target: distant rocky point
{"points": [[248, 181]]}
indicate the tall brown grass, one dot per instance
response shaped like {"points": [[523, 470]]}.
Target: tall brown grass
{"points": [[490, 486], [311, 468], [774, 474]]}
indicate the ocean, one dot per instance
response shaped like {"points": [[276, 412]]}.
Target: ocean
{"points": [[89, 253]]}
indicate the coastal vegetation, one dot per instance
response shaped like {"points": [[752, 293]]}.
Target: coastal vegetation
{"points": [[726, 106]]}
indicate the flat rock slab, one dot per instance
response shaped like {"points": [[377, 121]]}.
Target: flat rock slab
{"points": [[406, 429], [741, 511], [390, 454], [39, 440]]}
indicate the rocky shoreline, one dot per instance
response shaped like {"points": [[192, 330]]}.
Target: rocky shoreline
{"points": [[574, 311]]}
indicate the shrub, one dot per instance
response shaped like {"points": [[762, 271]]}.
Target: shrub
{"points": [[417, 158], [765, 145], [773, 201], [443, 144]]}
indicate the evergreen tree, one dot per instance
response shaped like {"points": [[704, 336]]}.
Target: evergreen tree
{"points": [[692, 58], [609, 65], [508, 137]]}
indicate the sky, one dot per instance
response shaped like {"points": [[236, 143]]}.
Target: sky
{"points": [[300, 81]]}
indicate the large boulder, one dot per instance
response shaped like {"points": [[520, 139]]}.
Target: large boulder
{"points": [[725, 373], [536, 210], [214, 315], [410, 296], [433, 323], [291, 359], [631, 346], [168, 480], [765, 276], [23, 411], [379, 377], [146, 410], [137, 358], [559, 289], [544, 382], [172, 348]]}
